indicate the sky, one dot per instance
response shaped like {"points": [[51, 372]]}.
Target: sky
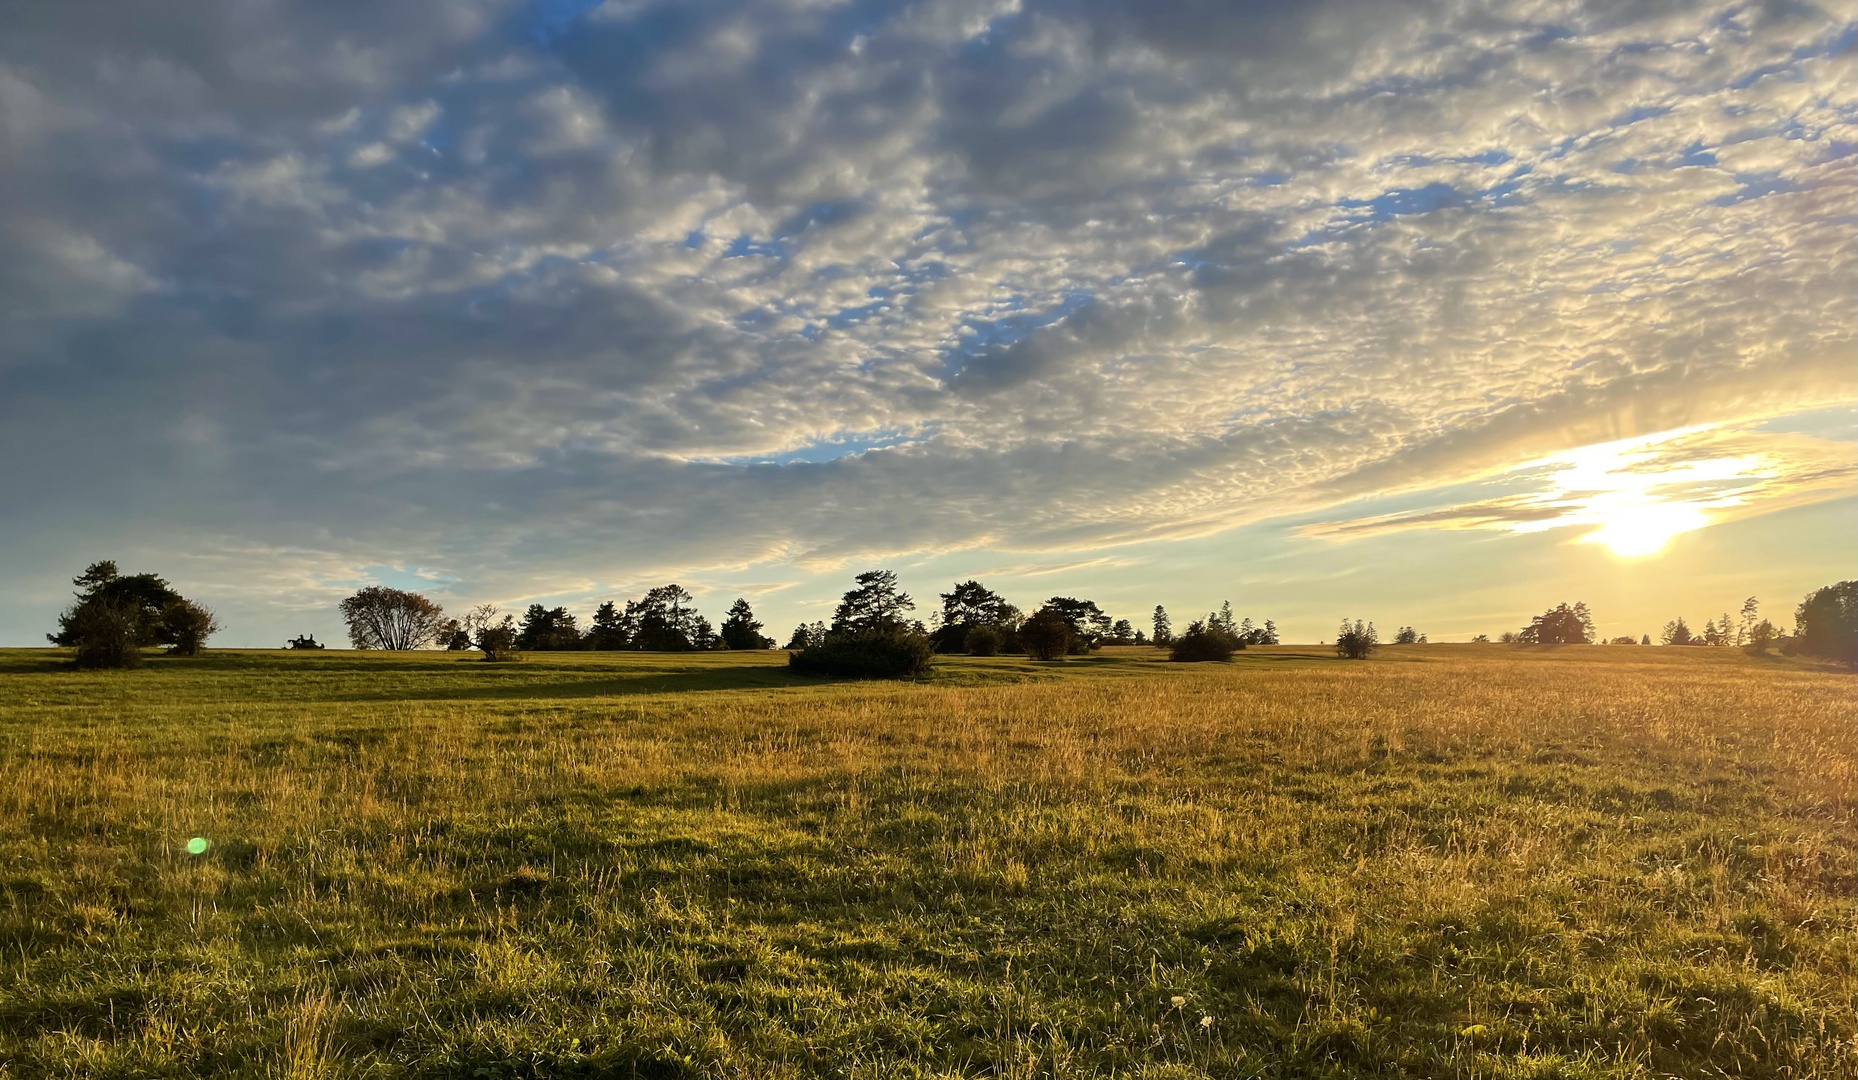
{"points": [[1435, 314]]}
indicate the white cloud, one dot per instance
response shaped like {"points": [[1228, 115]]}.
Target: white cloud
{"points": [[1088, 274]]}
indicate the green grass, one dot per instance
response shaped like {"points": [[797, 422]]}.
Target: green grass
{"points": [[1443, 862]]}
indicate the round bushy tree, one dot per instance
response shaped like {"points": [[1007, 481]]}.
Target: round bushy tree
{"points": [[1046, 635], [1204, 640], [1357, 641]]}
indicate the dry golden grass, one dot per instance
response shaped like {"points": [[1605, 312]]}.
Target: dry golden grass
{"points": [[1447, 861]]}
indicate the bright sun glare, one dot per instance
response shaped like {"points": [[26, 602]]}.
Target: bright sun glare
{"points": [[1634, 532], [1640, 493]]}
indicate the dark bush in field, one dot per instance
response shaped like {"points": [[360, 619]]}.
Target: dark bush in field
{"points": [[983, 641], [1203, 641], [1046, 635], [115, 616], [865, 656], [106, 634], [1357, 641], [1560, 625], [185, 626]]}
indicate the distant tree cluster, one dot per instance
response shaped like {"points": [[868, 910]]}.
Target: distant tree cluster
{"points": [[1747, 631], [115, 616], [664, 620]]}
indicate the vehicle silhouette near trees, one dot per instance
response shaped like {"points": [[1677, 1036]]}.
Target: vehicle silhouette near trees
{"points": [[115, 616], [379, 617]]}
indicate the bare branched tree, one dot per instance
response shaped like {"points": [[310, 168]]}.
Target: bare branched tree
{"points": [[382, 618]]}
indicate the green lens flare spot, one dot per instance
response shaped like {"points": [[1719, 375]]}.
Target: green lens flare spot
{"points": [[198, 845]]}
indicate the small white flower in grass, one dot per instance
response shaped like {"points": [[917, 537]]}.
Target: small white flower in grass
{"points": [[1206, 1021], [1177, 1001]]}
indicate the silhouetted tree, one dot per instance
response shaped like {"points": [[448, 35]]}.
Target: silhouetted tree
{"points": [[1406, 635], [968, 605], [142, 596], [1826, 623], [1676, 632], [185, 626], [664, 621], [1761, 637], [452, 636], [1121, 633], [1089, 625], [608, 630], [983, 640], [1560, 625], [105, 632], [876, 605], [304, 641], [492, 632], [1746, 620], [870, 637], [115, 616], [548, 630], [1205, 640], [1645, 640], [1047, 635], [1163, 629], [741, 630], [382, 618], [1357, 641]]}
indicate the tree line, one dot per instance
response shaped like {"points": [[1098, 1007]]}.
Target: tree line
{"points": [[114, 617], [875, 615]]}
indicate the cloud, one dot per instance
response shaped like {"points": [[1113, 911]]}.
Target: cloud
{"points": [[1635, 494], [538, 286]]}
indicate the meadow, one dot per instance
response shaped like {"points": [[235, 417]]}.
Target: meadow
{"points": [[1446, 861]]}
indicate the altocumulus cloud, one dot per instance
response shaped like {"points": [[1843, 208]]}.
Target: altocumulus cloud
{"points": [[547, 295]]}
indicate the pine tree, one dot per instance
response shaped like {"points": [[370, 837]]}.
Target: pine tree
{"points": [[741, 630]]}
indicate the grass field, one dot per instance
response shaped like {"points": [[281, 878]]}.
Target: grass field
{"points": [[1448, 861]]}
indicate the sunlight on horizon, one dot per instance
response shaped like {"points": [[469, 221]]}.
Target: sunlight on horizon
{"points": [[1619, 487], [1634, 496]]}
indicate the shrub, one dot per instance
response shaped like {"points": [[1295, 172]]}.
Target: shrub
{"points": [[1357, 641], [498, 641], [877, 655], [1204, 641], [106, 633], [1046, 635], [983, 640], [185, 626]]}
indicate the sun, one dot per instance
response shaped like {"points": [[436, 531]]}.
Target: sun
{"points": [[1642, 530]]}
